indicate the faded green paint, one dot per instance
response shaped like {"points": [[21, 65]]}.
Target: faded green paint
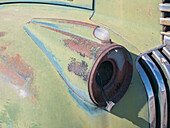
{"points": [[55, 107], [78, 3], [135, 20]]}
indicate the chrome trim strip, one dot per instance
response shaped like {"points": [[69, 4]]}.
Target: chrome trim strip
{"points": [[164, 7], [165, 21], [165, 33], [162, 90], [166, 51], [150, 95], [167, 40], [162, 61]]}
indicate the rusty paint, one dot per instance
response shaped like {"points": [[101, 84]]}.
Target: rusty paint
{"points": [[2, 34], [97, 52], [17, 74], [3, 48], [165, 21], [72, 22], [79, 68], [81, 45], [120, 80], [149, 12], [15, 68]]}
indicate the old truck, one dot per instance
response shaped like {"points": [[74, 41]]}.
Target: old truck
{"points": [[84, 63]]}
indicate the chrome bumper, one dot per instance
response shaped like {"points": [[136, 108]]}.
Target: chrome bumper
{"points": [[154, 69]]}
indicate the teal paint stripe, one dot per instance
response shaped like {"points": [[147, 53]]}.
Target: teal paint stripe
{"points": [[87, 106], [54, 26]]}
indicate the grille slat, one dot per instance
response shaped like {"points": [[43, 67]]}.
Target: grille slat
{"points": [[163, 62], [150, 94], [166, 51], [164, 7], [167, 40], [156, 67], [165, 21], [162, 90]]}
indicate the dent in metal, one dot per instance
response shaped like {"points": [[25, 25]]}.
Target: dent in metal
{"points": [[150, 95], [162, 90]]}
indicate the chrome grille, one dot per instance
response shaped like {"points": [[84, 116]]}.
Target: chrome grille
{"points": [[165, 21], [154, 69]]}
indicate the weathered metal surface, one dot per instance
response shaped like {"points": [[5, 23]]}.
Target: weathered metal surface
{"points": [[73, 3], [131, 21], [165, 21], [57, 105], [167, 40], [120, 79], [2, 34], [79, 68], [17, 74], [94, 51]]}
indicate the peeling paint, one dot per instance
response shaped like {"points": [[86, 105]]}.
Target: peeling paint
{"points": [[79, 68], [2, 34], [79, 95], [16, 73], [79, 44], [149, 12]]}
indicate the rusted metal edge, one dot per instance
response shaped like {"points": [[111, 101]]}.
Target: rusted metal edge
{"points": [[165, 21], [91, 79]]}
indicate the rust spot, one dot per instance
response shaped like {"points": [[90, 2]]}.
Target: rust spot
{"points": [[149, 12], [2, 34], [17, 74], [118, 83], [84, 47], [79, 68], [81, 45], [15, 70], [3, 48]]}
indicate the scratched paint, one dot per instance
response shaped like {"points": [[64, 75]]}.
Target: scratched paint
{"points": [[17, 74], [2, 34], [79, 95], [72, 28], [79, 68], [85, 47], [63, 111]]}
